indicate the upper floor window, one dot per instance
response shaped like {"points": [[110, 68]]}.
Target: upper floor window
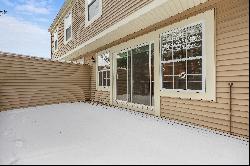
{"points": [[55, 40], [103, 61], [94, 10], [182, 59], [68, 28]]}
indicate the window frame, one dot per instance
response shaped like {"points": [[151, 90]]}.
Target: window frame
{"points": [[208, 17], [54, 43], [68, 16], [203, 58], [98, 87], [87, 21]]}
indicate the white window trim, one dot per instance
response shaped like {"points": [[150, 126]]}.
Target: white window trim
{"points": [[56, 32], [203, 57], [87, 22], [66, 41], [208, 61], [98, 87]]}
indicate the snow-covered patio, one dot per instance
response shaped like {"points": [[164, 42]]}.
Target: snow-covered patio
{"points": [[82, 133]]}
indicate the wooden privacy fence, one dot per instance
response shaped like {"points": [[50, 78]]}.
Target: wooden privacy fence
{"points": [[29, 81]]}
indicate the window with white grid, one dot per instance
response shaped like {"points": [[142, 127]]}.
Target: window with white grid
{"points": [[182, 59], [103, 70]]}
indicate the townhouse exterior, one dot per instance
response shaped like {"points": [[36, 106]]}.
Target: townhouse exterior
{"points": [[186, 60]]}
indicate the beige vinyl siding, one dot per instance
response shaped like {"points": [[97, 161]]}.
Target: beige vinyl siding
{"points": [[28, 82], [102, 97], [232, 65], [113, 11]]}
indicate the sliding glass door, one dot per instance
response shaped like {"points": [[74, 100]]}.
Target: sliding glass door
{"points": [[134, 80]]}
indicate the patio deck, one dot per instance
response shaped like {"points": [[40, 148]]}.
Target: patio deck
{"points": [[82, 133]]}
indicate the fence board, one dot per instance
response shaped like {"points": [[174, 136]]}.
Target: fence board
{"points": [[30, 81]]}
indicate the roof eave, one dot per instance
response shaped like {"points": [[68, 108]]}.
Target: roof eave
{"points": [[60, 14]]}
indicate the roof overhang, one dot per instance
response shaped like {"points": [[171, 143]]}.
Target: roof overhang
{"points": [[154, 12]]}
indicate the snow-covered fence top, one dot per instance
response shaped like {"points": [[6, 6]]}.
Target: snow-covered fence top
{"points": [[30, 81]]}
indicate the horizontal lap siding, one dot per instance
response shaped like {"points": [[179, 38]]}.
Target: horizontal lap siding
{"points": [[232, 65], [113, 12], [102, 97], [28, 82]]}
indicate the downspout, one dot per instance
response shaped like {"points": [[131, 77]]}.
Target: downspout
{"points": [[51, 46], [230, 106]]}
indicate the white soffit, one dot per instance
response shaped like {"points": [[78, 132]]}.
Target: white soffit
{"points": [[152, 13]]}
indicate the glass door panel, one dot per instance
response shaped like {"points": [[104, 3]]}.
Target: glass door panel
{"points": [[121, 77], [141, 75]]}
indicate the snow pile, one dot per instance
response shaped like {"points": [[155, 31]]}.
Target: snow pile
{"points": [[82, 133]]}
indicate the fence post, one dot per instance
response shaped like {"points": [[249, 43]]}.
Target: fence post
{"points": [[230, 106]]}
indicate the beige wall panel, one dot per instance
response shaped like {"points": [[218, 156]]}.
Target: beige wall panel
{"points": [[232, 51], [28, 82]]}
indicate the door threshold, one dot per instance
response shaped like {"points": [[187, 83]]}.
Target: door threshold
{"points": [[135, 107]]}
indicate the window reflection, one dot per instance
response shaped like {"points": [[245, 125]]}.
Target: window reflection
{"points": [[93, 8], [104, 70], [121, 78], [181, 55]]}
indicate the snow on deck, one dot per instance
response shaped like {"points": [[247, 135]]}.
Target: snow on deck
{"points": [[82, 133]]}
